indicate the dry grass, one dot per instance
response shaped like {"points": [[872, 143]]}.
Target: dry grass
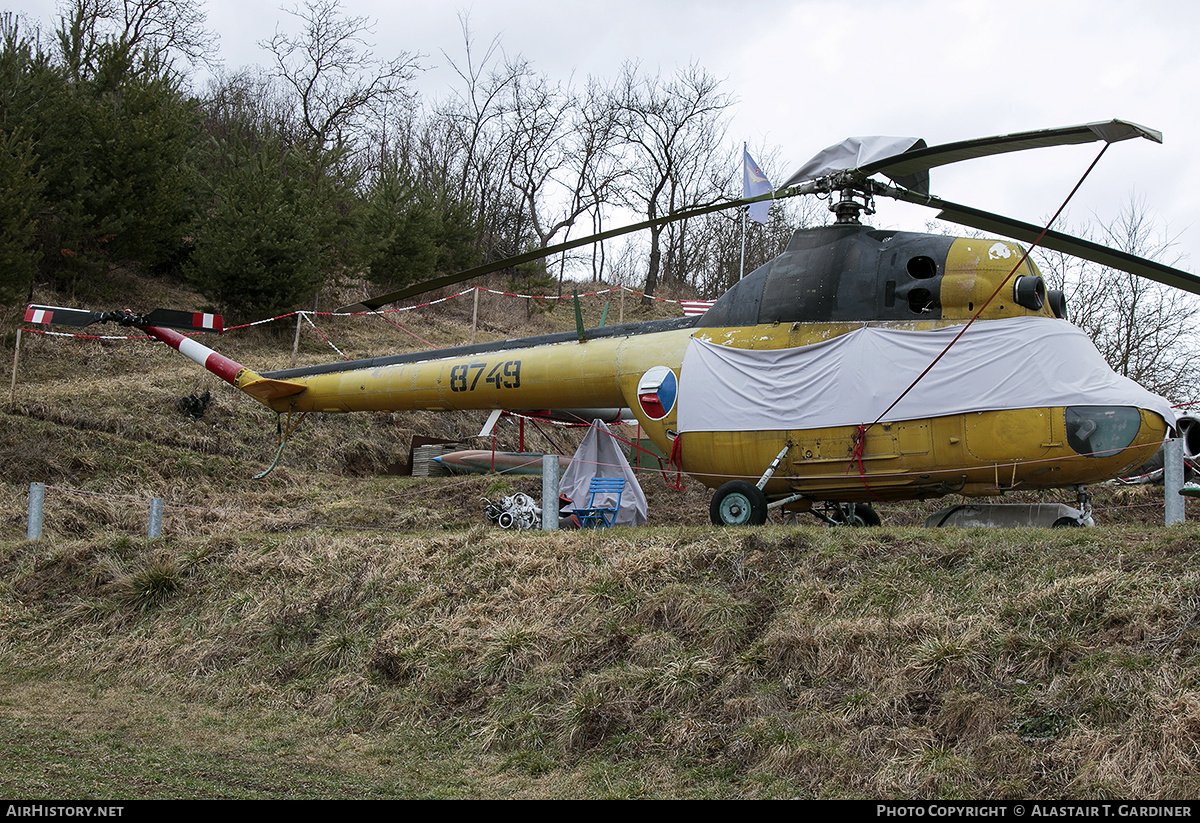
{"points": [[1005, 674]]}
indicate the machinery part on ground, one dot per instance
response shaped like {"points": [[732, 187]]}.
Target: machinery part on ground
{"points": [[518, 512]]}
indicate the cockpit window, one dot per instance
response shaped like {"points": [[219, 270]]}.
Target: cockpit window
{"points": [[1101, 431]]}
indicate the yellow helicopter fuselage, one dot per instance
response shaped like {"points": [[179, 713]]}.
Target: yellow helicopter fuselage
{"points": [[975, 453]]}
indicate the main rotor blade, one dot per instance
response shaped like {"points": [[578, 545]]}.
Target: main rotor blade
{"points": [[917, 161], [373, 303], [1056, 241], [910, 168]]}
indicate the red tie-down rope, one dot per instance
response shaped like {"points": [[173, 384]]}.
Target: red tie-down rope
{"points": [[860, 436], [677, 459]]}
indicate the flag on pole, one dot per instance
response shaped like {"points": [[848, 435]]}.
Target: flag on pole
{"points": [[754, 183]]}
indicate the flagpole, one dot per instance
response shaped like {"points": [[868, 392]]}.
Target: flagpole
{"points": [[742, 267], [745, 211]]}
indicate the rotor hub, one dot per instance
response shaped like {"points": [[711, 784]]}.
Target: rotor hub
{"points": [[849, 203]]}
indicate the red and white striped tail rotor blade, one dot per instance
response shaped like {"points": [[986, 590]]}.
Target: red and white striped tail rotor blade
{"points": [[192, 321], [59, 316]]}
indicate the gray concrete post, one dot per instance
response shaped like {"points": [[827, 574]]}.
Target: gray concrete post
{"points": [[550, 492], [156, 514], [1173, 480], [37, 497]]}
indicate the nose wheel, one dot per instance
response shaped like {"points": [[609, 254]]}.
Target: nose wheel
{"points": [[738, 503]]}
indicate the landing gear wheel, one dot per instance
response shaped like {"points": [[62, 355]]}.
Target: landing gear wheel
{"points": [[1066, 523], [738, 503], [860, 514], [857, 515]]}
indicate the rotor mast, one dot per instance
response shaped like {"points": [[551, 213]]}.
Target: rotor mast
{"points": [[851, 195], [851, 202]]}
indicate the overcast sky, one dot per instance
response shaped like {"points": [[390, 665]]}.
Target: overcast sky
{"points": [[808, 73]]}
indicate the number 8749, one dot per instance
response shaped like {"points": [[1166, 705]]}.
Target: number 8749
{"points": [[505, 374]]}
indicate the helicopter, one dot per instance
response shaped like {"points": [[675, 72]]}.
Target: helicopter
{"points": [[860, 366]]}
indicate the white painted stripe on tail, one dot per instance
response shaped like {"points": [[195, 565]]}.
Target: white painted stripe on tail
{"points": [[691, 308]]}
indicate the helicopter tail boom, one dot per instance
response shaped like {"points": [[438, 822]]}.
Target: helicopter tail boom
{"points": [[231, 372]]}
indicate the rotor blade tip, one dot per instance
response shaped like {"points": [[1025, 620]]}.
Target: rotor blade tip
{"points": [[1116, 130]]}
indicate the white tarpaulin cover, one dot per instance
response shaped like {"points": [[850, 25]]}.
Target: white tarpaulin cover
{"points": [[599, 455], [850, 380], [851, 153]]}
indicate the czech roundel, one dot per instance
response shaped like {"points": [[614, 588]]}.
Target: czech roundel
{"points": [[656, 392]]}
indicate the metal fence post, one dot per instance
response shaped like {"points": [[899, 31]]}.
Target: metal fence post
{"points": [[156, 513], [475, 316], [37, 496], [12, 389], [550, 492], [296, 339]]}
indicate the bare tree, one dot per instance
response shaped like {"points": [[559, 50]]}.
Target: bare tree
{"points": [[600, 167], [532, 154], [249, 100], [341, 88], [159, 30], [1146, 331], [721, 251], [536, 127], [674, 131], [469, 146], [562, 159], [166, 27]]}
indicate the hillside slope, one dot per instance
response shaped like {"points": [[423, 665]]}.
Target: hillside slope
{"points": [[662, 662]]}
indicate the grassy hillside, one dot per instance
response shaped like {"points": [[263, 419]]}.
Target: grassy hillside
{"points": [[337, 630]]}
